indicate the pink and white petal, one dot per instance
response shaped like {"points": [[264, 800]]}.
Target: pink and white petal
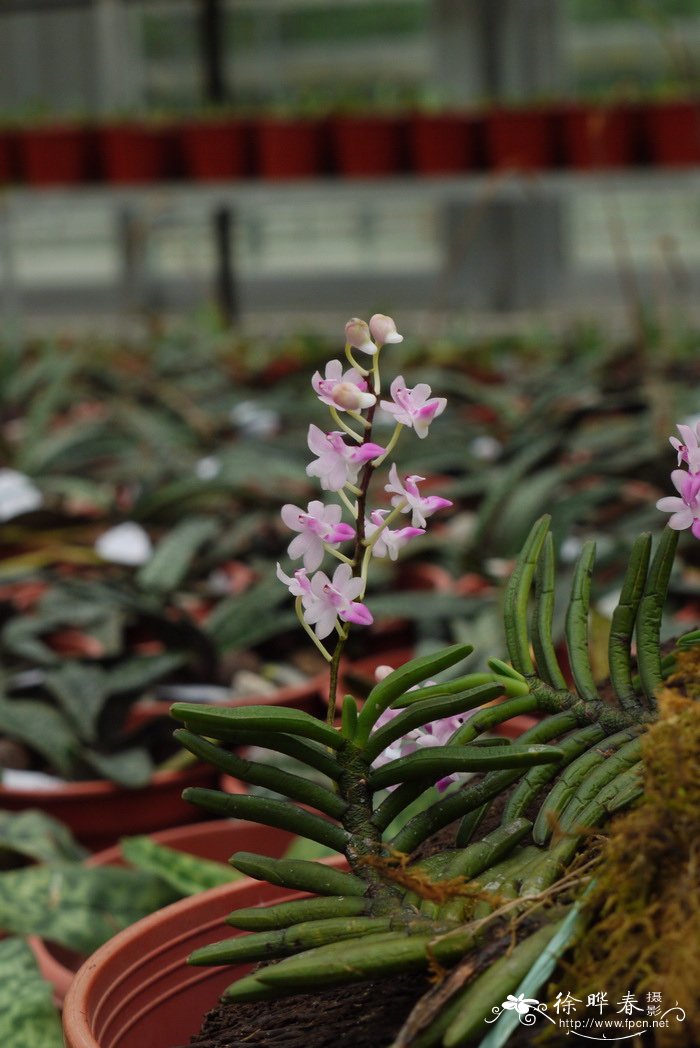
{"points": [[326, 623], [681, 520], [357, 613], [695, 530]]}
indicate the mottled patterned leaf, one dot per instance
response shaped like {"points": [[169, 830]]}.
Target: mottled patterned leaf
{"points": [[44, 730], [173, 555], [187, 874], [81, 691], [28, 1017], [38, 836], [139, 673], [78, 906]]}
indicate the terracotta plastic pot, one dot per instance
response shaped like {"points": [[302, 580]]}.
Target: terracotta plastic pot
{"points": [[137, 991], [289, 148], [215, 150], [520, 139], [99, 812], [442, 143], [216, 840], [367, 146], [57, 155], [673, 132], [600, 137], [133, 153]]}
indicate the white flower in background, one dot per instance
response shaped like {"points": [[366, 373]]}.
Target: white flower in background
{"points": [[18, 494], [207, 468], [253, 420], [126, 543]]}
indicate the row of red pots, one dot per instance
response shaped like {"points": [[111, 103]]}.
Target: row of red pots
{"points": [[569, 136]]}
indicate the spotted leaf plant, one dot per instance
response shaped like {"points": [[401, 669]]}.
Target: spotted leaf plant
{"points": [[420, 756]]}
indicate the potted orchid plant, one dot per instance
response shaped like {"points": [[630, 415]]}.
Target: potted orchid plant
{"points": [[452, 900]]}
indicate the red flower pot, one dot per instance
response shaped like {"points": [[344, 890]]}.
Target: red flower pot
{"points": [[133, 153], [289, 148], [137, 991], [50, 156], [442, 143], [519, 139], [600, 137], [367, 146], [215, 150], [99, 812], [673, 132]]}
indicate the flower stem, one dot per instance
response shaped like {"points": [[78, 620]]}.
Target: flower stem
{"points": [[337, 553], [352, 507], [299, 608], [358, 367], [344, 426], [390, 446]]}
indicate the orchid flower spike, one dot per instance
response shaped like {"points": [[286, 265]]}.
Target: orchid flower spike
{"points": [[337, 463], [383, 330], [357, 335], [344, 391], [317, 526], [413, 407], [329, 600], [685, 511], [420, 506]]}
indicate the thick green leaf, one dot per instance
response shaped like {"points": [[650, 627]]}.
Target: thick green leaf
{"points": [[139, 673], [174, 554], [131, 768], [187, 874], [42, 729], [78, 906], [28, 1016], [81, 691], [35, 835]]}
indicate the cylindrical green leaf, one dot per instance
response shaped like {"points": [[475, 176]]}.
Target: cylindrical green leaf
{"points": [[211, 720], [472, 861], [426, 712], [285, 942], [438, 761], [399, 682], [548, 668], [623, 620], [301, 874], [269, 812], [294, 786], [576, 627], [516, 598], [650, 613], [284, 914], [476, 1003]]}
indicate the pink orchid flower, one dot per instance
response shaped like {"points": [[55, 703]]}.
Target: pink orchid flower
{"points": [[413, 407], [342, 390], [337, 462], [299, 585], [685, 511], [420, 506], [329, 600], [318, 526], [390, 541], [383, 330], [689, 449]]}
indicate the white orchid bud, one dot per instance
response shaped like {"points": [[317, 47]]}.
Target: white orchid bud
{"points": [[357, 335], [383, 330]]}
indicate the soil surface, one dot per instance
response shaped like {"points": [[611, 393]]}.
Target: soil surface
{"points": [[366, 1015]]}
